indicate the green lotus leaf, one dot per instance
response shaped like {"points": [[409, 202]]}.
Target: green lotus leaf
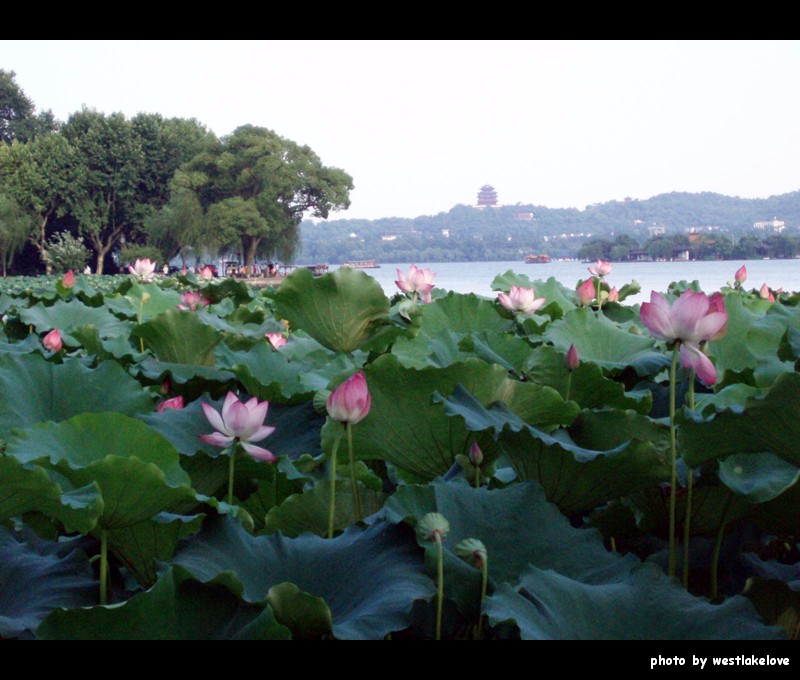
{"points": [[137, 471], [37, 576], [145, 300], [369, 578], [640, 605], [309, 510], [777, 602], [140, 546], [759, 477], [175, 608], [27, 488], [343, 310], [67, 316], [36, 390], [601, 341], [308, 617], [196, 379], [767, 424], [179, 338]]}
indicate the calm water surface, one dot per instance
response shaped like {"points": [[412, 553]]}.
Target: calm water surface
{"points": [[476, 277]]}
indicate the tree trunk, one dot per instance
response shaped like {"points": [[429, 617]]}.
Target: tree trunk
{"points": [[251, 246]]}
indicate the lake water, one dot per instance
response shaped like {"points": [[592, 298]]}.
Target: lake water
{"points": [[476, 277]]}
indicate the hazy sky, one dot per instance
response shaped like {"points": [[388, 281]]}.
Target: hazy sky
{"points": [[422, 125]]}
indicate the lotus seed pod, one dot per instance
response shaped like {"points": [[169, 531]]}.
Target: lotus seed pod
{"points": [[472, 551], [431, 524]]}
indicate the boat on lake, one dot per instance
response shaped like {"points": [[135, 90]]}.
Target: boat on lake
{"points": [[537, 259], [361, 264]]}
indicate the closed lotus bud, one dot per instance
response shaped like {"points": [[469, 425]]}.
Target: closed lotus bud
{"points": [[765, 293], [613, 295], [475, 454], [586, 292], [52, 341], [68, 280], [350, 402], [571, 360], [432, 524], [741, 275], [472, 551]]}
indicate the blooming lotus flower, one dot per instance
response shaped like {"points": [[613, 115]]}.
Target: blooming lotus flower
{"points": [[144, 269], [601, 268], [68, 280], [765, 293], [613, 295], [276, 339], [741, 275], [350, 402], [417, 281], [240, 422], [571, 360], [692, 318], [521, 299], [586, 292], [206, 273], [192, 301], [52, 341], [174, 404]]}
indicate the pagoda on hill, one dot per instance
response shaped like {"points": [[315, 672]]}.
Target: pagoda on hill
{"points": [[487, 196]]}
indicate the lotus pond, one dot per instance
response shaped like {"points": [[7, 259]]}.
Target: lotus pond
{"points": [[546, 472]]}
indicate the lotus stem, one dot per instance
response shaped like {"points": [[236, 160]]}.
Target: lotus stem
{"points": [[484, 588], [687, 521], [332, 508], [231, 470], [477, 476], [440, 584], [353, 480], [103, 566], [671, 570], [569, 386], [599, 299], [717, 550]]}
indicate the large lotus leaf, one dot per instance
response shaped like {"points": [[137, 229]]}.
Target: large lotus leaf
{"points": [[640, 605], [176, 608], [604, 343], [781, 515], [730, 397], [343, 310], [117, 347], [29, 345], [440, 349], [504, 349], [766, 425], [759, 477], [309, 511], [369, 578], [67, 316], [752, 338], [607, 429], [37, 576], [588, 386], [200, 378], [144, 301], [27, 488], [137, 470], [574, 478], [140, 545], [35, 390], [276, 484], [308, 617], [406, 428], [778, 603], [180, 338]]}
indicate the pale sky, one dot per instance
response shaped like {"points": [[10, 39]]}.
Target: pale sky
{"points": [[421, 125]]}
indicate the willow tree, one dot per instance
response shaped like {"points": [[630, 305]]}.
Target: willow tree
{"points": [[256, 187]]}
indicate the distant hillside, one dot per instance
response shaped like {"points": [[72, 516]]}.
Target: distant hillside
{"points": [[466, 233]]}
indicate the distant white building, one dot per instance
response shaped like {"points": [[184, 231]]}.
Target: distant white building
{"points": [[656, 230], [389, 237], [770, 225]]}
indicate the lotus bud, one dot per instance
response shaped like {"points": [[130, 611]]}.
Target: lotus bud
{"points": [[174, 404], [68, 280], [571, 360], [432, 524], [586, 292], [765, 293], [741, 275], [473, 552], [52, 341], [613, 295], [350, 402], [475, 454]]}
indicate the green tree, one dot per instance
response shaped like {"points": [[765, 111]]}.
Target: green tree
{"points": [[18, 118], [276, 181], [177, 229], [16, 225], [65, 253]]}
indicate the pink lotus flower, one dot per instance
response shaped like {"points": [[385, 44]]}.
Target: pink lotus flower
{"points": [[144, 269], [586, 292], [765, 293], [240, 422], [521, 299], [52, 341], [174, 404], [350, 402], [692, 318], [417, 281], [601, 268], [692, 356], [571, 360], [68, 280], [206, 273], [192, 301], [475, 454], [276, 339], [741, 275], [613, 295]]}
